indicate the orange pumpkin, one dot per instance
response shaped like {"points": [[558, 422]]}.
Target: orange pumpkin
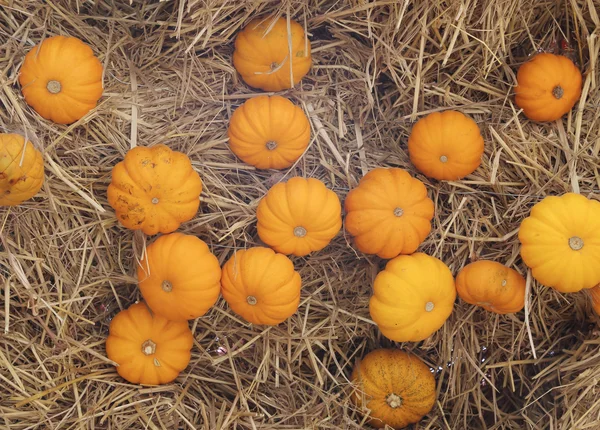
{"points": [[389, 213], [61, 79], [21, 170], [595, 295]]}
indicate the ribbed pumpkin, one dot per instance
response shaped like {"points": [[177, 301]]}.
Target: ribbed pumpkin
{"points": [[595, 295], [21, 170], [397, 388], [389, 213]]}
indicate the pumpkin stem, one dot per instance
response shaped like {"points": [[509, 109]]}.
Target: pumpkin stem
{"points": [[274, 66], [299, 231], [155, 200], [429, 306], [148, 347], [251, 300], [54, 87], [576, 243], [443, 159], [393, 400], [558, 92], [167, 286], [398, 212], [503, 283], [271, 145]]}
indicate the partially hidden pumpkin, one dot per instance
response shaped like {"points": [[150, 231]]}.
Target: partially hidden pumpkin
{"points": [[491, 285], [412, 297], [446, 145], [179, 277], [389, 213], [148, 349], [560, 242], [595, 295], [396, 388], [299, 216], [21, 169], [261, 286], [270, 56], [269, 132], [154, 189], [61, 79], [548, 86]]}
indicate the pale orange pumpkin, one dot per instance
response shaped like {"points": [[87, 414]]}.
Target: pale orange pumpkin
{"points": [[21, 170]]}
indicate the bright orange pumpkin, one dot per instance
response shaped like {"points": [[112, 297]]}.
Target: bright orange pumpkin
{"points": [[595, 295], [21, 170]]}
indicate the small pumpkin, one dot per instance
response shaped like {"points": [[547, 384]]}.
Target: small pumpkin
{"points": [[595, 295], [269, 132], [179, 277], [548, 86], [21, 170], [560, 242], [154, 189], [389, 213], [149, 349], [61, 79], [269, 57], [261, 286], [446, 145], [491, 285], [412, 297], [299, 216], [397, 388]]}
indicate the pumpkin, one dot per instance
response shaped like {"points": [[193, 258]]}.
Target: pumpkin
{"points": [[149, 349], [154, 189], [446, 145], [491, 285], [412, 297], [548, 86], [269, 132], [299, 216], [261, 286], [21, 170], [61, 79], [269, 57], [179, 277], [560, 242], [397, 388], [389, 213], [595, 295]]}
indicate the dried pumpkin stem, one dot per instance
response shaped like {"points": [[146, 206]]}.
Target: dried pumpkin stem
{"points": [[251, 300], [558, 92], [271, 145], [576, 243], [398, 212], [167, 286], [393, 400], [155, 200], [274, 66], [148, 347], [443, 159], [429, 306], [54, 87], [299, 231]]}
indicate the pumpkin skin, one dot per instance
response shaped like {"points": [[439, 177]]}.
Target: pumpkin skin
{"points": [[261, 286], [548, 86], [154, 190], [389, 213], [269, 132], [179, 277], [263, 60], [595, 295], [61, 79], [412, 297], [149, 349], [491, 285], [446, 145], [398, 388], [560, 242], [299, 216], [21, 174]]}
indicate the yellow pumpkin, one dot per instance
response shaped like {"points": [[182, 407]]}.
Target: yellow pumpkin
{"points": [[21, 170]]}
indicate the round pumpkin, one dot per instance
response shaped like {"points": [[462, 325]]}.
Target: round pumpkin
{"points": [[61, 79], [491, 285], [560, 242], [548, 86], [397, 388], [269, 132], [261, 286], [148, 349], [269, 57], [446, 145], [389, 213], [412, 297], [299, 216], [154, 190], [595, 295], [21, 170], [179, 277]]}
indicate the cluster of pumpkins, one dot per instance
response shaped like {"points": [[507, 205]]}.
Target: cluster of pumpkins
{"points": [[388, 214]]}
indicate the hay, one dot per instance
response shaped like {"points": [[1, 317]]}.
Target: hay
{"points": [[67, 267]]}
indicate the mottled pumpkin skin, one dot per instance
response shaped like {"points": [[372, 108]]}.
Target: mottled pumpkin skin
{"points": [[446, 145], [548, 86], [595, 295], [491, 285], [560, 242], [154, 190], [389, 213], [397, 388], [261, 286], [21, 170], [179, 277], [148, 348], [263, 60], [70, 63], [412, 297]]}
